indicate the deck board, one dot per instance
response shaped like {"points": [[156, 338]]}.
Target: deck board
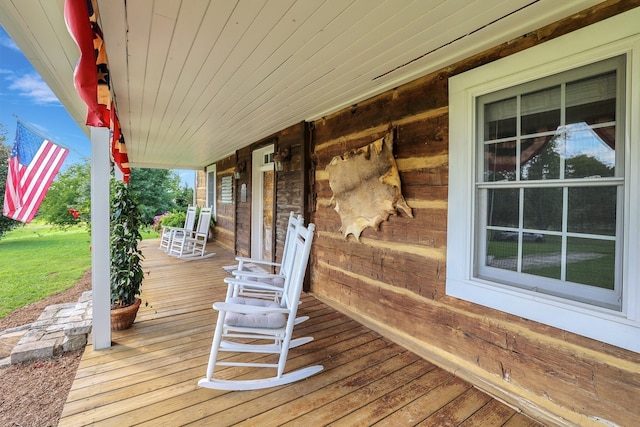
{"points": [[149, 376]]}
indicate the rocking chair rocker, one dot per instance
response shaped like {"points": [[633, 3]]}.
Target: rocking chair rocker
{"points": [[247, 325]]}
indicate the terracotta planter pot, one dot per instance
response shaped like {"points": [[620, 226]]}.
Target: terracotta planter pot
{"points": [[122, 318]]}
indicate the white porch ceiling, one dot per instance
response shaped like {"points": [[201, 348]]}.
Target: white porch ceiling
{"points": [[195, 80]]}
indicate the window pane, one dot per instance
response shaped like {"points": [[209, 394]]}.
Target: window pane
{"points": [[500, 161], [543, 208], [542, 255], [502, 207], [502, 250], [589, 152], [211, 188], [591, 262], [500, 119], [592, 210], [540, 111], [539, 158], [592, 100]]}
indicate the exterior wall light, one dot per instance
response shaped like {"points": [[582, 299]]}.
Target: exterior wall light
{"points": [[279, 158], [240, 167]]}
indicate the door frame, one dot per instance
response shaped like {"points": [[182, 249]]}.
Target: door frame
{"points": [[259, 166]]}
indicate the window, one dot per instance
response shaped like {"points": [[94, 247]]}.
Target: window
{"points": [[226, 193], [543, 159], [211, 188], [550, 186]]}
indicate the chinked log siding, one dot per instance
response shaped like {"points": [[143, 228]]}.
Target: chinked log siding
{"points": [[243, 208], [394, 279], [289, 182], [290, 188]]}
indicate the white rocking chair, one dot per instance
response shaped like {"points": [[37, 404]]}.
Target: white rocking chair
{"points": [[276, 280], [169, 232], [247, 325], [192, 245]]}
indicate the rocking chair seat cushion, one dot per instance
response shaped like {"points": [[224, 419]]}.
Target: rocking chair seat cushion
{"points": [[270, 320], [273, 281]]}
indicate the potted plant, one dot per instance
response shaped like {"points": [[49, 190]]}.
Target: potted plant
{"points": [[126, 257]]}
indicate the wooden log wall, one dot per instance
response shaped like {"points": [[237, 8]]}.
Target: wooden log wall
{"points": [[243, 209], [289, 183], [394, 279], [200, 192]]}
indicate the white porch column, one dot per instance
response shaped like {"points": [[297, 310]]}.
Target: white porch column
{"points": [[100, 257], [118, 175]]}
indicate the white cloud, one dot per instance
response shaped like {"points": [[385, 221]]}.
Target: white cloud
{"points": [[8, 43], [32, 86]]}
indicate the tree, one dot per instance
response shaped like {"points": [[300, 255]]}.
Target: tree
{"points": [[68, 200], [158, 191], [6, 224]]}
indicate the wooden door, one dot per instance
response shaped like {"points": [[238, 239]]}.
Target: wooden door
{"points": [[268, 185]]}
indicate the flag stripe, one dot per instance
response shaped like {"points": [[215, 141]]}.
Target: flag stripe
{"points": [[50, 158], [28, 184]]}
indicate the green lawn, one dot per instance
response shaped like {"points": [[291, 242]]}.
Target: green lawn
{"points": [[596, 271], [37, 261]]}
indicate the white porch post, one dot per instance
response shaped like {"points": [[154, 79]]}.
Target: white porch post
{"points": [[118, 175], [100, 257]]}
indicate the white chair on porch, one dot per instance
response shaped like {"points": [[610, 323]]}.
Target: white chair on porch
{"points": [[251, 325], [274, 279], [169, 232], [192, 245]]}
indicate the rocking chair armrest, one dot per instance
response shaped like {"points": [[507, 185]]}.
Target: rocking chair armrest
{"points": [[258, 261], [256, 274], [248, 309], [252, 284], [181, 229]]}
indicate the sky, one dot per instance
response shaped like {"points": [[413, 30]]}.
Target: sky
{"points": [[25, 96]]}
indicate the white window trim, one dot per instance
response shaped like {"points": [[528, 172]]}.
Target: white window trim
{"points": [[608, 38], [213, 203]]}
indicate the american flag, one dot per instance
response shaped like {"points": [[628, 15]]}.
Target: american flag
{"points": [[33, 165]]}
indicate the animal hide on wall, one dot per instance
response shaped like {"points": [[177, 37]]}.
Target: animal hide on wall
{"points": [[366, 186]]}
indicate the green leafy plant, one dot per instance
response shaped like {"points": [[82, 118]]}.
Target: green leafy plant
{"points": [[126, 257], [173, 219]]}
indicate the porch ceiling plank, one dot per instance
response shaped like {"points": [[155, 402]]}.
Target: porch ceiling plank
{"points": [[354, 55], [161, 30], [201, 24], [269, 55], [185, 29], [446, 29], [277, 68], [195, 81], [149, 377], [256, 40], [236, 26], [328, 36], [139, 28], [341, 37]]}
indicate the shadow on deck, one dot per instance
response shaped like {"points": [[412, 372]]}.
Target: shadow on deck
{"points": [[149, 375]]}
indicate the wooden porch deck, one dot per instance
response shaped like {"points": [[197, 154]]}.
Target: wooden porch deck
{"points": [[149, 376]]}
